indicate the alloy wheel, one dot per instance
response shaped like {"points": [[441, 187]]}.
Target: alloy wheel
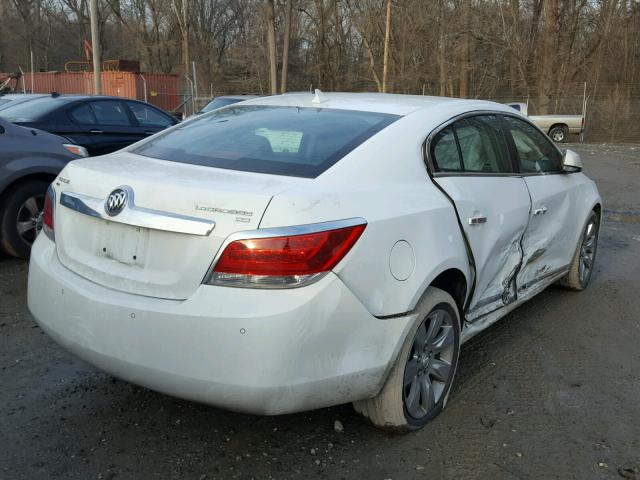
{"points": [[430, 364], [588, 251], [27, 220]]}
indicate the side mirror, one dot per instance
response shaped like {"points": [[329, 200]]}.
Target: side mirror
{"points": [[571, 162]]}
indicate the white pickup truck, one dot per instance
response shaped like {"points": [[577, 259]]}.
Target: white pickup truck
{"points": [[558, 127]]}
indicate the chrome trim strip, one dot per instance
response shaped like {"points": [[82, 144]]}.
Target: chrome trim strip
{"points": [[137, 216], [281, 232]]}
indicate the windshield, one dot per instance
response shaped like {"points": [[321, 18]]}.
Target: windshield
{"points": [[30, 110], [219, 103], [293, 141]]}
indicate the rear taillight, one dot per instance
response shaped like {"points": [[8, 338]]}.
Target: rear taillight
{"points": [[47, 214], [284, 260]]}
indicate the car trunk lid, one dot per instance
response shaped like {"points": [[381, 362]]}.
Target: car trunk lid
{"points": [[176, 218]]}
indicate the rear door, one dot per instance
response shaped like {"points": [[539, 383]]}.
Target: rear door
{"points": [[114, 128], [79, 130], [148, 120], [548, 243], [471, 163]]}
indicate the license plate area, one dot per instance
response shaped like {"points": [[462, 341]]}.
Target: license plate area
{"points": [[123, 243]]}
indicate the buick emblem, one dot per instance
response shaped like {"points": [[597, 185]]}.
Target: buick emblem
{"points": [[116, 201]]}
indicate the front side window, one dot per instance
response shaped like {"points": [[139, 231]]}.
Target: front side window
{"points": [[536, 153], [472, 145], [293, 141]]}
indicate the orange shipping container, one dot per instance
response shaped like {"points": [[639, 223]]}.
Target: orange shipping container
{"points": [[159, 89]]}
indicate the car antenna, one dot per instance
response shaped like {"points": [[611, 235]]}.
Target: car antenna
{"points": [[317, 98]]}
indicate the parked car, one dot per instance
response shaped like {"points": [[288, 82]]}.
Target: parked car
{"points": [[11, 99], [558, 127], [98, 123], [225, 100], [29, 160], [301, 251]]}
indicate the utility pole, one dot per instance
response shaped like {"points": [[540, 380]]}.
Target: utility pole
{"points": [[95, 47], [285, 50], [271, 44], [387, 37]]}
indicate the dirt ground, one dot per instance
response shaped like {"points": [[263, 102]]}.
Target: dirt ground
{"points": [[551, 391]]}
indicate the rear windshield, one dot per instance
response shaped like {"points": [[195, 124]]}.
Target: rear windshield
{"points": [[292, 141], [30, 110]]}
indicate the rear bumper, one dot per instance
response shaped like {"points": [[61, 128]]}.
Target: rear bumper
{"points": [[255, 351]]}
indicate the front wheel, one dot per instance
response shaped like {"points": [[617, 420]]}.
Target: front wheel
{"points": [[585, 256], [420, 381]]}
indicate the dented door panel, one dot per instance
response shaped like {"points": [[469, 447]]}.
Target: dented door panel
{"points": [[504, 203], [549, 243]]}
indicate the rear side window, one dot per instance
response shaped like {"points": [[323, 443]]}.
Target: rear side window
{"points": [[149, 116], [110, 112], [83, 115], [472, 145], [292, 141], [536, 153], [446, 155]]}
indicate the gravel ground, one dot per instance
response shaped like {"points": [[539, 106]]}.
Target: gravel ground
{"points": [[550, 391]]}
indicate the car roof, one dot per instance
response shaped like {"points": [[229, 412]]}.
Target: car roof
{"points": [[74, 98], [71, 98], [396, 104], [16, 96], [238, 97]]}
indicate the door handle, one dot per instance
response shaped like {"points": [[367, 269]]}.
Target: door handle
{"points": [[540, 211], [477, 220], [95, 131]]}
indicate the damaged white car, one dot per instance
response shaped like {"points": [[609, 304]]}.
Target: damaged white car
{"points": [[300, 251]]}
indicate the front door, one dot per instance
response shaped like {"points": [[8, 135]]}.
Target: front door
{"points": [[472, 165], [548, 244]]}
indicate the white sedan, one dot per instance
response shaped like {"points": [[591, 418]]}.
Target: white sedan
{"points": [[300, 251]]}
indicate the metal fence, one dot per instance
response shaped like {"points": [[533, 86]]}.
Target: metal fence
{"points": [[609, 118]]}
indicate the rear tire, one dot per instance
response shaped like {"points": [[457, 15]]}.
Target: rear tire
{"points": [[559, 134], [19, 214], [584, 258], [419, 382]]}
